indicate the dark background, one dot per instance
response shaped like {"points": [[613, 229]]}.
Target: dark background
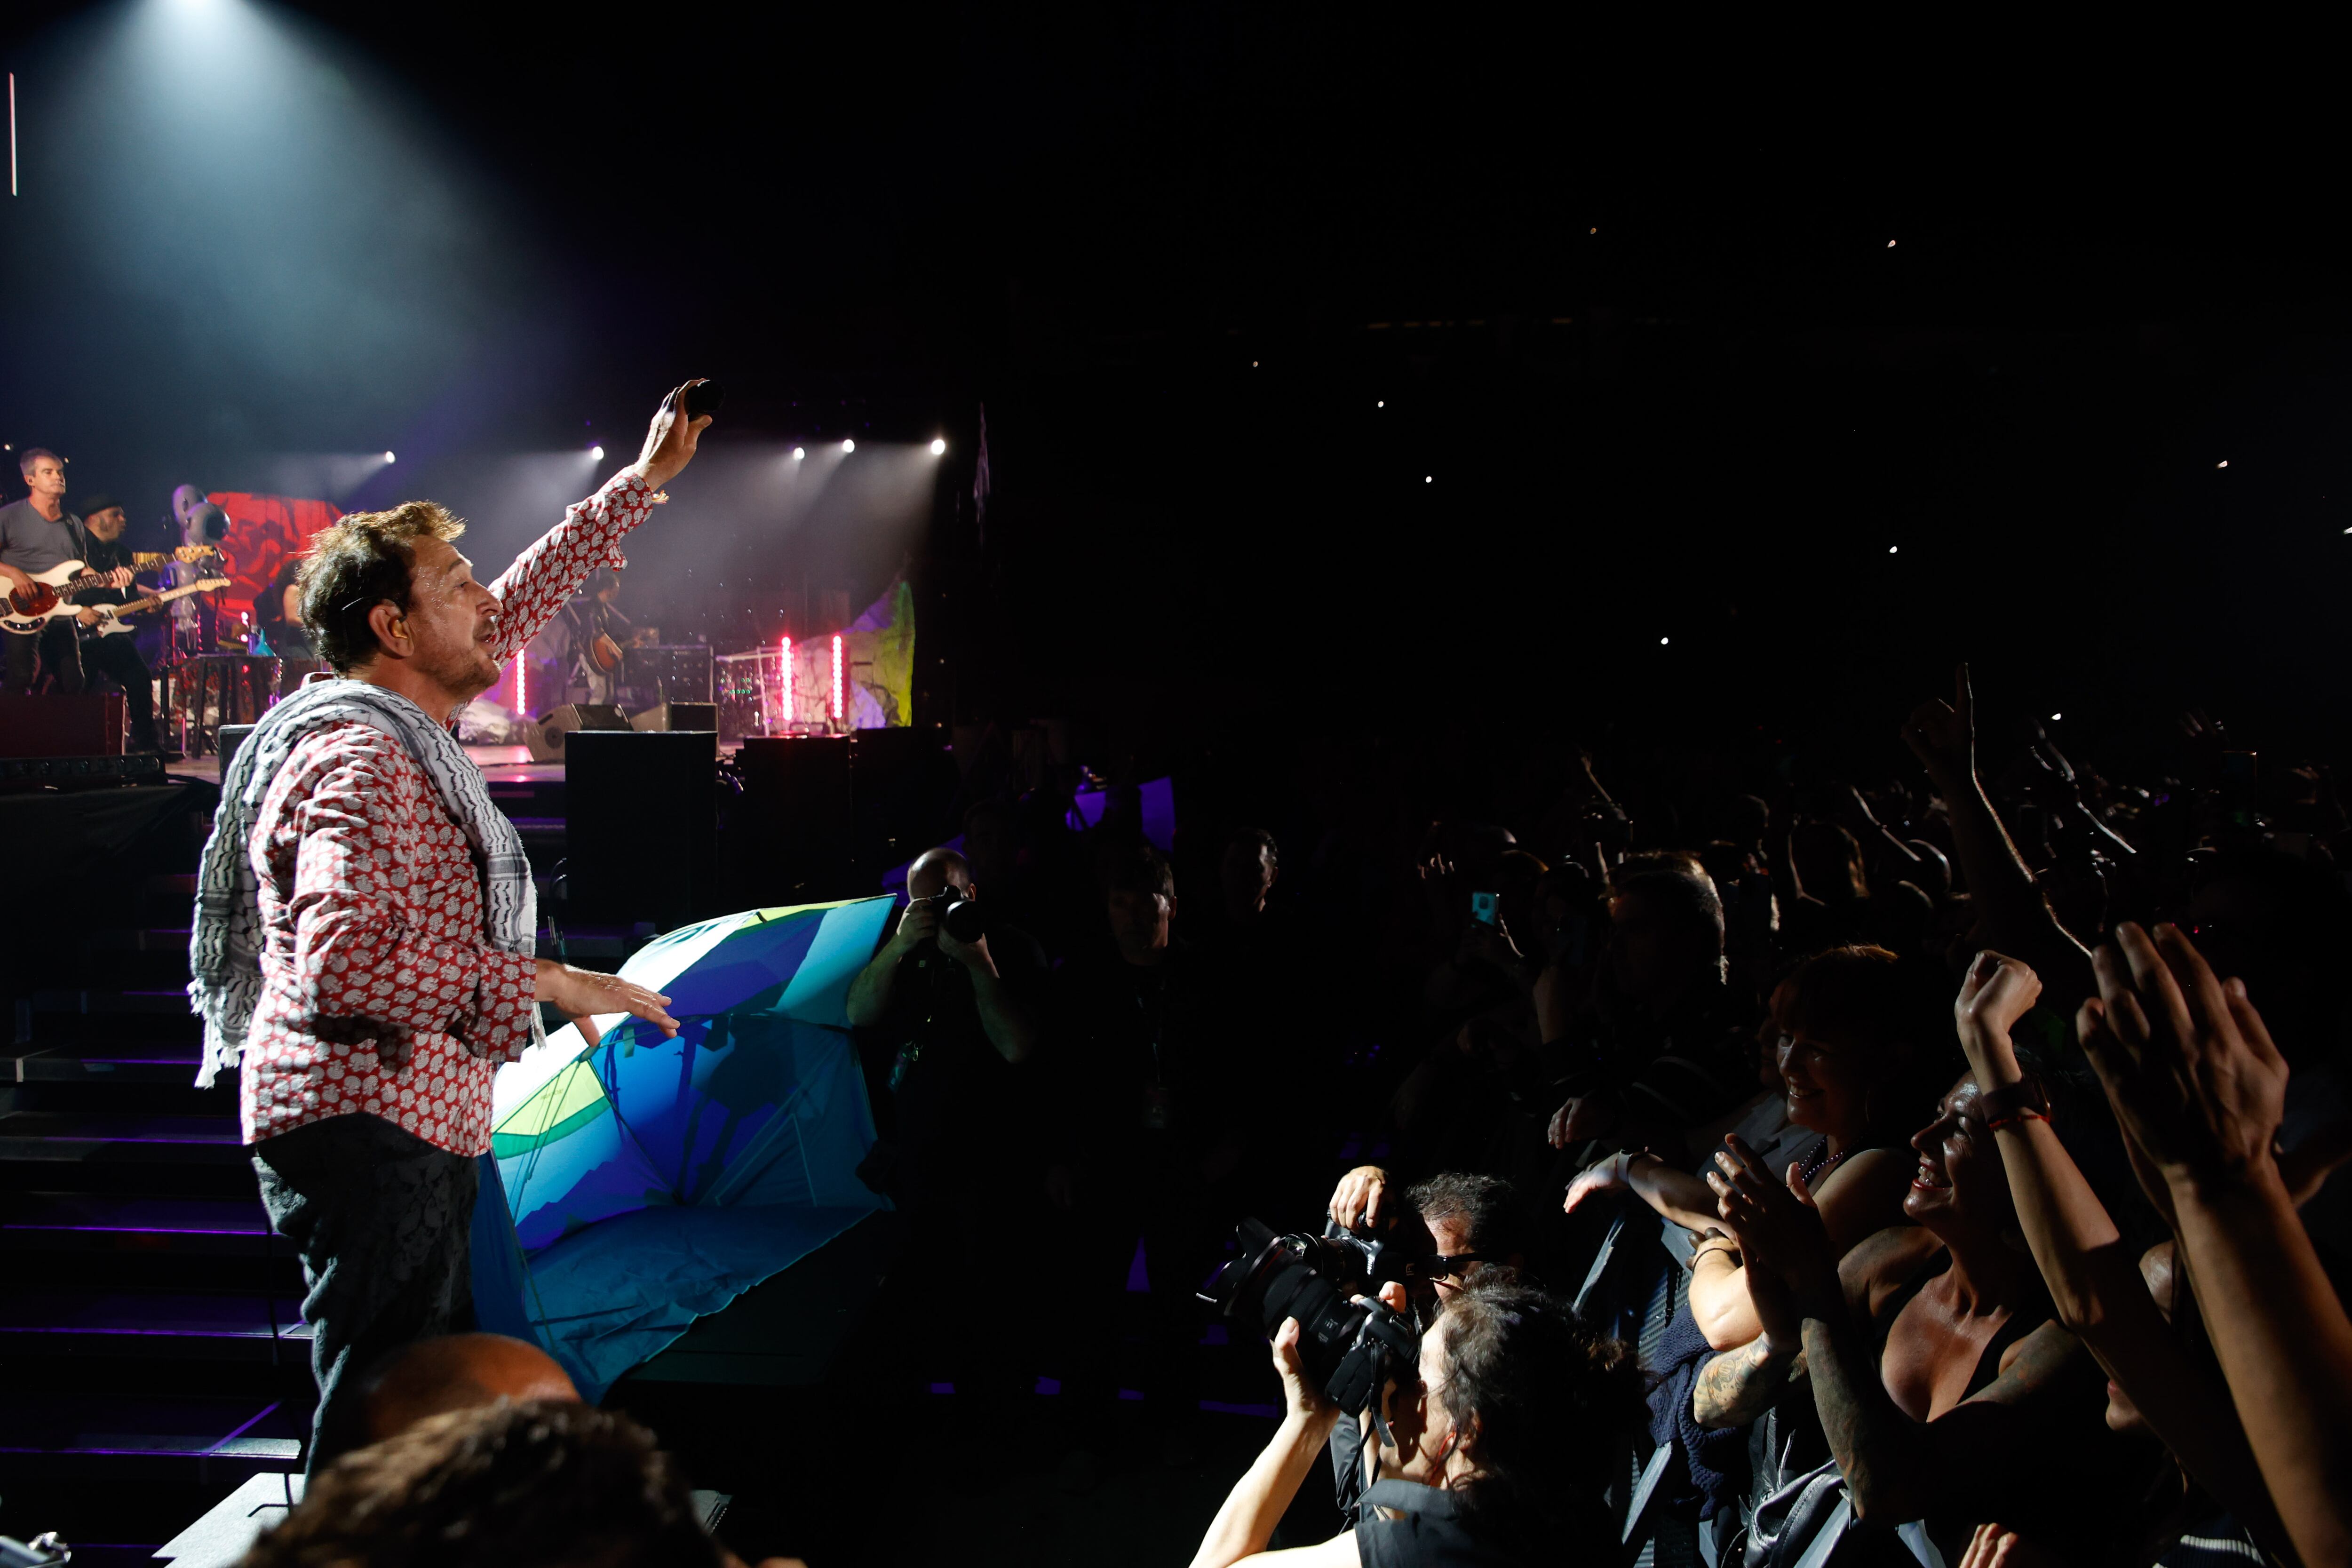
{"points": [[1628, 298]]}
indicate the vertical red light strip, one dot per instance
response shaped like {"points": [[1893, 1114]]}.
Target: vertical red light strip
{"points": [[784, 662], [838, 706], [523, 684]]}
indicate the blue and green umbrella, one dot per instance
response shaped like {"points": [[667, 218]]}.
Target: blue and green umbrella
{"points": [[648, 1180]]}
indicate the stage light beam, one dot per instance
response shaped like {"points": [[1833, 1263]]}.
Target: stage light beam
{"points": [[387, 457], [596, 453], [848, 446], [938, 448], [799, 453]]}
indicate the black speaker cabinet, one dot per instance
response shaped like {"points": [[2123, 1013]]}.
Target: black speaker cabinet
{"points": [[546, 737], [640, 832], [676, 716], [792, 827]]}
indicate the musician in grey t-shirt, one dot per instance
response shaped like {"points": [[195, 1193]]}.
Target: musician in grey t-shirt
{"points": [[37, 534]]}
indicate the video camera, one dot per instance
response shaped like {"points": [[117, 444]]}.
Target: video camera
{"points": [[1350, 1347]]}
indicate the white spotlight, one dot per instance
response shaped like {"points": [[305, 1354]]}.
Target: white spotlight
{"points": [[1429, 478], [1892, 548], [2054, 718], [849, 446], [387, 457], [1662, 641], [938, 448], [798, 453], [597, 453]]}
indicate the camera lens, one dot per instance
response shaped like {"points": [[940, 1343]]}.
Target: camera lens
{"points": [[964, 920]]}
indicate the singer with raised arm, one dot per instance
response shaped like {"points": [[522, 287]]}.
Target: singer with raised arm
{"points": [[364, 947]]}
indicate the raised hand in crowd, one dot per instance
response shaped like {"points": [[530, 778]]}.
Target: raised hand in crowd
{"points": [[2012, 913], [2200, 1089], [2093, 1278]]}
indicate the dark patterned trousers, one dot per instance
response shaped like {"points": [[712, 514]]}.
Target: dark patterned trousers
{"points": [[382, 1220]]}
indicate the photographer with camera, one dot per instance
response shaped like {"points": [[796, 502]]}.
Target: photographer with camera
{"points": [[1491, 1440], [1473, 1223], [950, 1005]]}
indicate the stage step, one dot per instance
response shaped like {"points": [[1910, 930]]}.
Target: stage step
{"points": [[106, 1139], [167, 999], [139, 1239], [139, 938], [213, 1328], [81, 1061], [131, 1440], [138, 1215]]}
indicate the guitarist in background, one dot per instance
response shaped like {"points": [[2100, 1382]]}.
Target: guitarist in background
{"points": [[37, 534], [116, 655], [598, 632]]}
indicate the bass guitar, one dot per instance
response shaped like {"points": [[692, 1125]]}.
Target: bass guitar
{"points": [[47, 598], [110, 616]]}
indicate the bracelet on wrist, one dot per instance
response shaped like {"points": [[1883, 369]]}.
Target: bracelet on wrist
{"points": [[2023, 1113]]}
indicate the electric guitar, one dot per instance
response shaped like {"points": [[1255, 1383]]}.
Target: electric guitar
{"points": [[111, 619], [27, 608]]}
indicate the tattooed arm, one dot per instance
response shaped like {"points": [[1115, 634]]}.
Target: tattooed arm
{"points": [[1738, 1386]]}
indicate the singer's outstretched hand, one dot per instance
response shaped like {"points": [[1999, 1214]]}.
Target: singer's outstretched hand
{"points": [[669, 442]]}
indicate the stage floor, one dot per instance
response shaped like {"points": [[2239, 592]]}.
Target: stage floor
{"points": [[501, 764], [499, 761]]}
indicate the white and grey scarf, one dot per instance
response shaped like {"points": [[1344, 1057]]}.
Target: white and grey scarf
{"points": [[225, 946]]}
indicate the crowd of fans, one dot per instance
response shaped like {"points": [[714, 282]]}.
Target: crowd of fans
{"points": [[1925, 1168]]}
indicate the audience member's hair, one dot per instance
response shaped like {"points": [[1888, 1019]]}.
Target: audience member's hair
{"points": [[1485, 1207], [31, 455], [1551, 1402], [1679, 886], [362, 561], [1138, 869], [536, 1485], [1260, 838], [1868, 998]]}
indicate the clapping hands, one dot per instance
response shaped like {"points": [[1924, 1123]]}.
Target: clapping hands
{"points": [[1792, 1267], [2196, 1083]]}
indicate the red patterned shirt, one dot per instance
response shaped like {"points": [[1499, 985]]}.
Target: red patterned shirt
{"points": [[372, 905]]}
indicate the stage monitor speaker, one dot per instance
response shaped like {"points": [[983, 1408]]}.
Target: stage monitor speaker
{"points": [[678, 716], [88, 724], [902, 787], [226, 740], [546, 737], [640, 830], [792, 830]]}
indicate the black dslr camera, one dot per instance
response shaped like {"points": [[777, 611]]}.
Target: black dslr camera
{"points": [[960, 918], [1349, 1349]]}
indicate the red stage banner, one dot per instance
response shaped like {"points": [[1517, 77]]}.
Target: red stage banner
{"points": [[267, 529]]}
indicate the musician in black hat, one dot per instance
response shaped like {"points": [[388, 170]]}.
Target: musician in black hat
{"points": [[108, 646]]}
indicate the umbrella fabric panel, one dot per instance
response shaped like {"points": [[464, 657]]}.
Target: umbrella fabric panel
{"points": [[581, 1168], [618, 1294], [610, 1295], [648, 1180]]}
